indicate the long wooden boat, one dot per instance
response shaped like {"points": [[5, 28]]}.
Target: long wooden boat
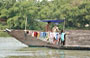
{"points": [[76, 40]]}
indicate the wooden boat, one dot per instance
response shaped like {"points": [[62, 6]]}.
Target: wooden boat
{"points": [[76, 40]]}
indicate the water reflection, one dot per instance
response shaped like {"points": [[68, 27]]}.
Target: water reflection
{"points": [[11, 48], [37, 54], [62, 54]]}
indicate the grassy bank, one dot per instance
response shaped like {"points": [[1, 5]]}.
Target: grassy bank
{"points": [[4, 34]]}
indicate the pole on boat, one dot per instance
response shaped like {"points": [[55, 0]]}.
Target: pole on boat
{"points": [[25, 24], [64, 24], [25, 27]]}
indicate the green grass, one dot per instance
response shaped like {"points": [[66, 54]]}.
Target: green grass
{"points": [[4, 34]]}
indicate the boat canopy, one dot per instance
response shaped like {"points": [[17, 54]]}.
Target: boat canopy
{"points": [[54, 21]]}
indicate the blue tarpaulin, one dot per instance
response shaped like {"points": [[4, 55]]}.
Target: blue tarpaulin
{"points": [[55, 21]]}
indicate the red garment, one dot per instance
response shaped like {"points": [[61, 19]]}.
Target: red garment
{"points": [[35, 34]]}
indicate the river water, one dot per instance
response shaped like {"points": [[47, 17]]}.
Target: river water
{"points": [[12, 48]]}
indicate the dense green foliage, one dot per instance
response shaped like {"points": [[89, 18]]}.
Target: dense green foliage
{"points": [[75, 12]]}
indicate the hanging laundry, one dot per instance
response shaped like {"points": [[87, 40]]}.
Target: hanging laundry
{"points": [[44, 34], [38, 35], [57, 36], [41, 34], [51, 36], [30, 32], [35, 34]]}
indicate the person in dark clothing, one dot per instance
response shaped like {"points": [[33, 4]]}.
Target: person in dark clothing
{"points": [[63, 37]]}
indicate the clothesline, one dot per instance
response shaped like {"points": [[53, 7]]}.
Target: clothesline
{"points": [[46, 36]]}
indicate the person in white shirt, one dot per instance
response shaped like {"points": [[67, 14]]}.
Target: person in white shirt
{"points": [[55, 28]]}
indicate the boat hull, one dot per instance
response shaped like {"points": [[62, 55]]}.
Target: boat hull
{"points": [[34, 42]]}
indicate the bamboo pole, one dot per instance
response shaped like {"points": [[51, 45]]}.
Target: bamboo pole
{"points": [[64, 25], [26, 24]]}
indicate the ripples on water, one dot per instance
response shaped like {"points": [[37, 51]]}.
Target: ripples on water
{"points": [[11, 48]]}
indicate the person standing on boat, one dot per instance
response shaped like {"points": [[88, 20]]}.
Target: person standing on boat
{"points": [[62, 37], [55, 28], [55, 31], [48, 27]]}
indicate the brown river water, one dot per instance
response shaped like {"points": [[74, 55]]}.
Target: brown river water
{"points": [[12, 48]]}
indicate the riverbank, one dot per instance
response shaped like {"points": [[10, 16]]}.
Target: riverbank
{"points": [[4, 34]]}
